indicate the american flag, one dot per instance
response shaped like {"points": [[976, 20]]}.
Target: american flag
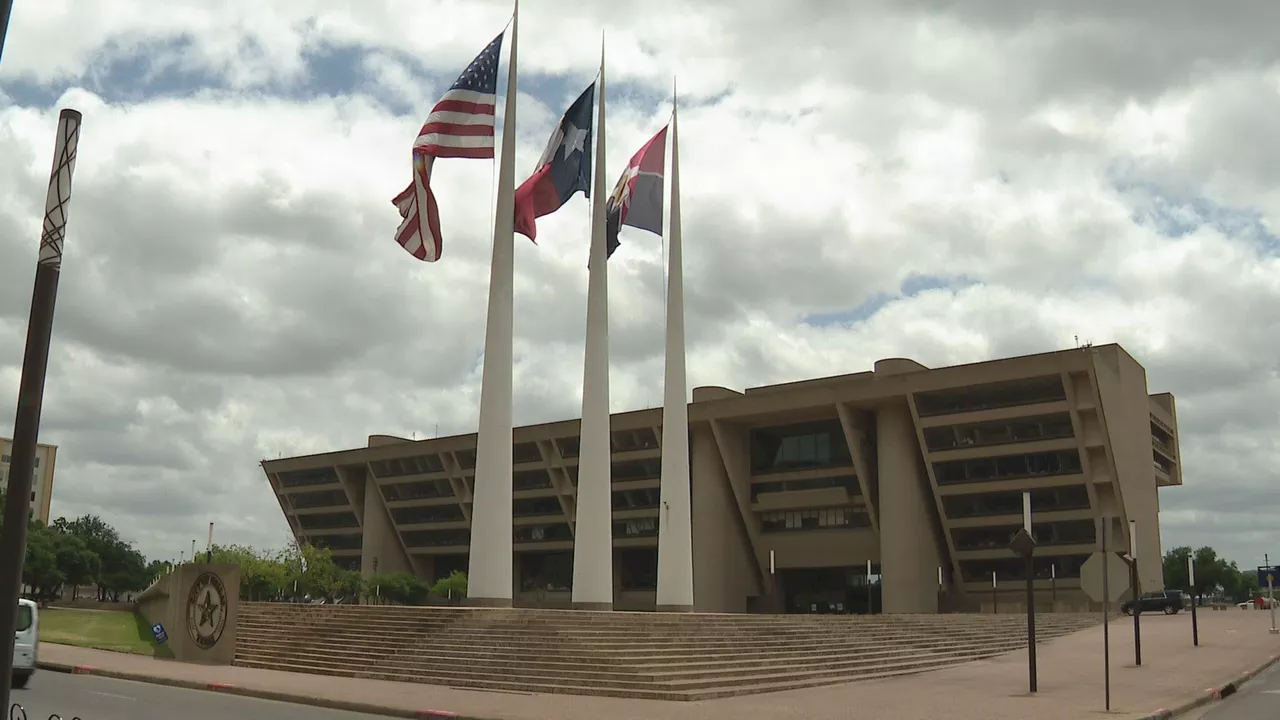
{"points": [[459, 126]]}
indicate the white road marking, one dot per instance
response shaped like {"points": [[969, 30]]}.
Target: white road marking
{"points": [[106, 694]]}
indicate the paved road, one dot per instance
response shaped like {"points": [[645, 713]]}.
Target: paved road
{"points": [[98, 698], [1258, 700]]}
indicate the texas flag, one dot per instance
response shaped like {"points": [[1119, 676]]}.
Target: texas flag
{"points": [[564, 169], [637, 198]]}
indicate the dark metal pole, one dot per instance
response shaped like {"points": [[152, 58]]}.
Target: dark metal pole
{"points": [[26, 425], [1031, 621], [1106, 614], [1195, 626], [1137, 613], [995, 596], [6, 7]]}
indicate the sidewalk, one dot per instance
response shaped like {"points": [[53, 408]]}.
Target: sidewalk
{"points": [[1233, 644]]}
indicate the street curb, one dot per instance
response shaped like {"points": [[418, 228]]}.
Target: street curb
{"points": [[1210, 694], [228, 689]]}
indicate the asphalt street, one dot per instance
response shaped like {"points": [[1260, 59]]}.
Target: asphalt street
{"points": [[1259, 699], [98, 698]]}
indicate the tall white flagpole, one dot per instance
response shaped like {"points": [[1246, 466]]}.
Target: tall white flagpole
{"points": [[489, 576], [593, 528], [675, 526]]}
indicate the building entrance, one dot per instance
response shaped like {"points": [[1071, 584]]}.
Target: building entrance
{"points": [[835, 590]]}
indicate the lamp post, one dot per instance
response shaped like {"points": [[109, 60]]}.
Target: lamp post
{"points": [[6, 7], [1024, 545], [1191, 590], [1137, 592]]}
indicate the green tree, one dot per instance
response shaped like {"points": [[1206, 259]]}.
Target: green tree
{"points": [[40, 567], [78, 564], [454, 586]]}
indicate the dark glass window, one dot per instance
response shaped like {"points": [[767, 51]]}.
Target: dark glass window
{"points": [[437, 538], [318, 498], [999, 432], [644, 469], [416, 465], [1011, 569], [568, 446], [1070, 532], [1007, 467], [637, 499], [428, 514], [526, 453], [338, 542], [467, 459], [778, 521], [638, 568], [418, 490], [1009, 393], [531, 480], [640, 527], [848, 482], [528, 507], [546, 571], [324, 521], [541, 533], [314, 476], [804, 446], [640, 439], [1066, 497]]}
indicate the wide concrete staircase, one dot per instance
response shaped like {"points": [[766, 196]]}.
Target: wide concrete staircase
{"points": [[657, 656]]}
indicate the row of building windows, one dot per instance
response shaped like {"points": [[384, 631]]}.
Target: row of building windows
{"points": [[311, 476], [338, 542], [553, 572], [1008, 393], [5, 460], [619, 441], [428, 514], [1008, 467], [848, 482], [1068, 532], [317, 499], [999, 432], [802, 446], [1065, 497], [328, 521], [1014, 569], [778, 521]]}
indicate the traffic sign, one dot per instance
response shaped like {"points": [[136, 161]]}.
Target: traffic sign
{"points": [[161, 635], [1117, 577], [1264, 572]]}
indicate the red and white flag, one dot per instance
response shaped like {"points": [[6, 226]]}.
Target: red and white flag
{"points": [[459, 126]]}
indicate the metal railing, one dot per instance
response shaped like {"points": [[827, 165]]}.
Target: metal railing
{"points": [[17, 712]]}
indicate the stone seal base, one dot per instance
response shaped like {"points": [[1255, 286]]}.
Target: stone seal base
{"points": [[594, 606], [675, 608]]}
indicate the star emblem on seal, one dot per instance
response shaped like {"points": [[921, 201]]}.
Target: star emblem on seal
{"points": [[207, 610]]}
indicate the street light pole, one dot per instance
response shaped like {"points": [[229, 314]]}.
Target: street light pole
{"points": [[6, 7], [1137, 593], [35, 363]]}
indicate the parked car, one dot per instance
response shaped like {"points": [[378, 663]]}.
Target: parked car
{"points": [[25, 638], [1166, 601]]}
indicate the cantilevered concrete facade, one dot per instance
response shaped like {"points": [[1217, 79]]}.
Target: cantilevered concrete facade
{"points": [[796, 488]]}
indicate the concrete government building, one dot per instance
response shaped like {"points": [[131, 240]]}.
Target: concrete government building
{"points": [[910, 468], [41, 484]]}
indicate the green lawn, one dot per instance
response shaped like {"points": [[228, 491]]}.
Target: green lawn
{"points": [[116, 630]]}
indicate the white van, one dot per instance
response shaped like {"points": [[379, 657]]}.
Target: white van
{"points": [[25, 637]]}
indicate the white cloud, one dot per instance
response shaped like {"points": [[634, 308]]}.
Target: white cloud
{"points": [[231, 290]]}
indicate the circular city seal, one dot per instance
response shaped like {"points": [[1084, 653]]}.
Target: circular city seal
{"points": [[207, 610]]}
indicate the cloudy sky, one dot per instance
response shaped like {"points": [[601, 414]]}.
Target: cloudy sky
{"points": [[949, 180]]}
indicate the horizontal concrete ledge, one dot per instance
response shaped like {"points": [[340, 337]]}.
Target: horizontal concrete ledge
{"points": [[674, 608], [594, 606], [489, 602]]}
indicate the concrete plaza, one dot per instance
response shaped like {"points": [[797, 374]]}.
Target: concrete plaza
{"points": [[1233, 643]]}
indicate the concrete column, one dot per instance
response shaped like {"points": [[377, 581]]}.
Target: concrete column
{"points": [[593, 521], [908, 539], [675, 528], [380, 539]]}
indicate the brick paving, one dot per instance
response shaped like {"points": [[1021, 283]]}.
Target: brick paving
{"points": [[1232, 643]]}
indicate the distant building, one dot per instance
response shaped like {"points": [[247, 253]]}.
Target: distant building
{"points": [[796, 488], [41, 484]]}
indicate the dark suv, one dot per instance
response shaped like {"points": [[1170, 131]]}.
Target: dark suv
{"points": [[1166, 601]]}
